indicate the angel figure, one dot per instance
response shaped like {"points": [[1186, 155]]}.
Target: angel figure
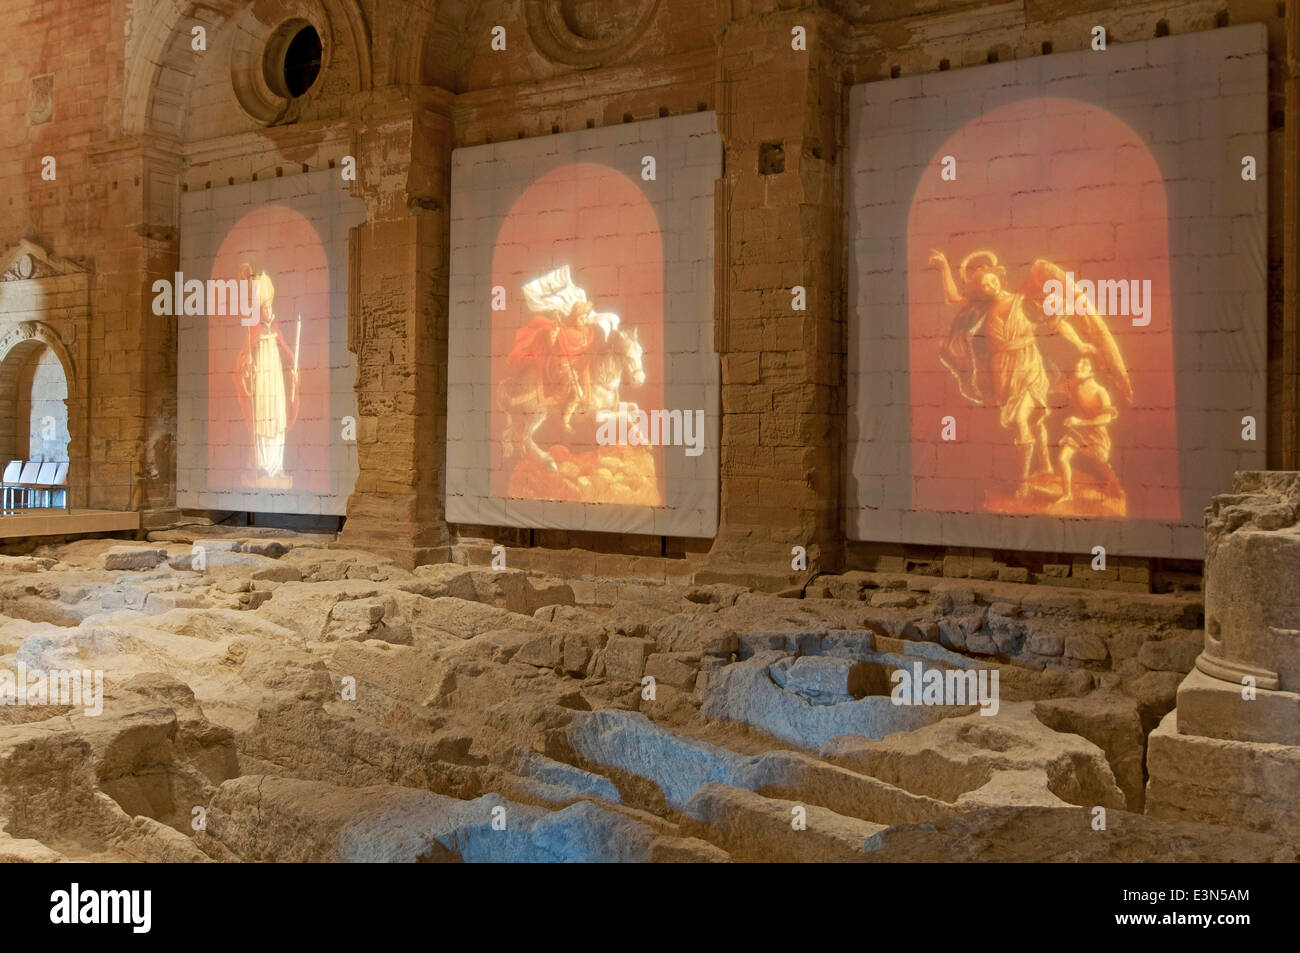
{"points": [[993, 349]]}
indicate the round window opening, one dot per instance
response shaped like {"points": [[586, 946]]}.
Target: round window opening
{"points": [[302, 61]]}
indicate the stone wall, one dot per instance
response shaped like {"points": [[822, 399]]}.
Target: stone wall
{"points": [[133, 114]]}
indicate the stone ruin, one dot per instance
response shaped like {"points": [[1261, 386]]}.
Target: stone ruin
{"points": [[1230, 752], [269, 696]]}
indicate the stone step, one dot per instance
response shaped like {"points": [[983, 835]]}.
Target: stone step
{"points": [[630, 743], [260, 818], [751, 827]]}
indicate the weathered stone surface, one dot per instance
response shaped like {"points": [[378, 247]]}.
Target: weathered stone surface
{"points": [[1242, 783], [1214, 708], [516, 591], [281, 573], [953, 759], [273, 548], [544, 651], [24, 564], [751, 827], [722, 644], [383, 713], [1086, 647], [678, 767], [745, 692], [824, 679], [1252, 595], [1169, 655], [1155, 694], [671, 668], [1112, 723], [1066, 835], [132, 557], [893, 600], [1047, 643]]}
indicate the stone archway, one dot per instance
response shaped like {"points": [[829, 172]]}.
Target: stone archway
{"points": [[33, 404], [161, 65], [44, 354], [36, 378]]}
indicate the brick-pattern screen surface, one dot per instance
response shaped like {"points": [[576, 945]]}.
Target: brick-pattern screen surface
{"points": [[583, 385], [1057, 297], [252, 437]]}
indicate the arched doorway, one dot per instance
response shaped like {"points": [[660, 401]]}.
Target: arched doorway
{"points": [[33, 401]]}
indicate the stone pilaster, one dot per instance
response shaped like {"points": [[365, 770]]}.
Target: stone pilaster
{"points": [[782, 369], [397, 326], [132, 412]]}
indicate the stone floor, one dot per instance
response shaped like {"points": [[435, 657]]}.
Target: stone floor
{"points": [[269, 697]]}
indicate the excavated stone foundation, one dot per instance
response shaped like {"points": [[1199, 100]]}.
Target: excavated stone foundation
{"points": [[274, 698]]}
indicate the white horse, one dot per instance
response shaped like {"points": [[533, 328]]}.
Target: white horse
{"points": [[615, 360]]}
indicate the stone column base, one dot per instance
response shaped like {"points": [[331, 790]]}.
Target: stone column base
{"points": [[1214, 708], [1244, 784], [404, 554]]}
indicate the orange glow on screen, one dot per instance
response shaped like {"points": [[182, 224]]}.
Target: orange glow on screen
{"points": [[1068, 417], [579, 259], [266, 431]]}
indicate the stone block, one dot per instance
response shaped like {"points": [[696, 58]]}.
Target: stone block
{"points": [[1217, 709], [1125, 644], [1217, 781], [1047, 643], [957, 567], [723, 644], [1086, 647], [1169, 655], [892, 600], [132, 557], [542, 651], [669, 668], [282, 572], [824, 679]]}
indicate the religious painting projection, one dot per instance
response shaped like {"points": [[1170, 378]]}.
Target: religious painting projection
{"points": [[1057, 290], [574, 374], [571, 361], [264, 371], [583, 382], [1039, 385]]}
